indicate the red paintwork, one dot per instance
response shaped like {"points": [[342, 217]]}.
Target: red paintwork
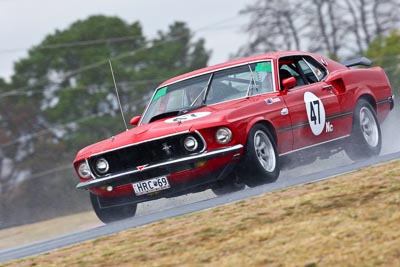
{"points": [[241, 115]]}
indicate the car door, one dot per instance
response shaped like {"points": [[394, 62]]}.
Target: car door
{"points": [[312, 103]]}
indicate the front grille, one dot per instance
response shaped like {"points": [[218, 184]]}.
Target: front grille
{"points": [[147, 153]]}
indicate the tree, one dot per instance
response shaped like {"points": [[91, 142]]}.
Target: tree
{"points": [[57, 87], [62, 96], [274, 25], [370, 18], [385, 52], [334, 27]]}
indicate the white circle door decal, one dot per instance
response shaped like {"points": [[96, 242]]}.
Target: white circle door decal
{"points": [[315, 113]]}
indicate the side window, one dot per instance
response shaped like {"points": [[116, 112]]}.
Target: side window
{"points": [[312, 69], [307, 71], [288, 67], [288, 70], [304, 69]]}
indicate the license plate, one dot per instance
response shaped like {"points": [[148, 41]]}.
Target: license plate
{"points": [[151, 185]]}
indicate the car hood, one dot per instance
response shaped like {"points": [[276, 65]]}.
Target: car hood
{"points": [[207, 116]]}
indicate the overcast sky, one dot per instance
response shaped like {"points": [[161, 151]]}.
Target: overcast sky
{"points": [[25, 23]]}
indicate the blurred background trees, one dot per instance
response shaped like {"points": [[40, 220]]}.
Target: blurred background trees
{"points": [[340, 29], [335, 27], [62, 98], [385, 52]]}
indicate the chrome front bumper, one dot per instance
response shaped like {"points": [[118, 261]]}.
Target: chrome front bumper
{"points": [[165, 164]]}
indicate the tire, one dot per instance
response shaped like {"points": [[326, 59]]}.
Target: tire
{"points": [[113, 213], [261, 162], [227, 186], [366, 137]]}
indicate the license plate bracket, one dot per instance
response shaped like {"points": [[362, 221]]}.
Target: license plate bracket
{"points": [[151, 185]]}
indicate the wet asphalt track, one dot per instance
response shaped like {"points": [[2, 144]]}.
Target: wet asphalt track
{"points": [[163, 209]]}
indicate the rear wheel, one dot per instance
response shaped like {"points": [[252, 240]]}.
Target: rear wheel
{"points": [[366, 138], [112, 213], [261, 161]]}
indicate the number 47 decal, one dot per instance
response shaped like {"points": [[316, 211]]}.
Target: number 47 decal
{"points": [[315, 113], [313, 117]]}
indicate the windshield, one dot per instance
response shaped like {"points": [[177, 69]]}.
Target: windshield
{"points": [[211, 88]]}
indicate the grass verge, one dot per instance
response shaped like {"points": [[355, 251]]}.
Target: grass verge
{"points": [[44, 230], [351, 220]]}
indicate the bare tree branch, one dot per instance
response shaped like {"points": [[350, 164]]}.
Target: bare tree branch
{"points": [[334, 27], [354, 25]]}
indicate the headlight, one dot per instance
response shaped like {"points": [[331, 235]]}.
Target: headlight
{"points": [[223, 135], [102, 165], [190, 143], [84, 170]]}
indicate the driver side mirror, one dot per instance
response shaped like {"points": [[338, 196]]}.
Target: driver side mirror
{"points": [[288, 83], [135, 120]]}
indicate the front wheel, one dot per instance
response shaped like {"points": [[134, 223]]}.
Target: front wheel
{"points": [[261, 161], [227, 186], [112, 213], [366, 138]]}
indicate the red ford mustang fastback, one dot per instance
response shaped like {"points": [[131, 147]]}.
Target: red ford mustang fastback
{"points": [[236, 124]]}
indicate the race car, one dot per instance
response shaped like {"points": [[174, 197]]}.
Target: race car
{"points": [[235, 124]]}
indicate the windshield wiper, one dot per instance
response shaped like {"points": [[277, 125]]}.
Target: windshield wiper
{"points": [[174, 113], [186, 110]]}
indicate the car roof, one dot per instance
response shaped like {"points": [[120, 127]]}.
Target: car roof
{"points": [[228, 64]]}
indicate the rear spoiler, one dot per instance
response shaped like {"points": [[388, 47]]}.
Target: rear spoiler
{"points": [[362, 61]]}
